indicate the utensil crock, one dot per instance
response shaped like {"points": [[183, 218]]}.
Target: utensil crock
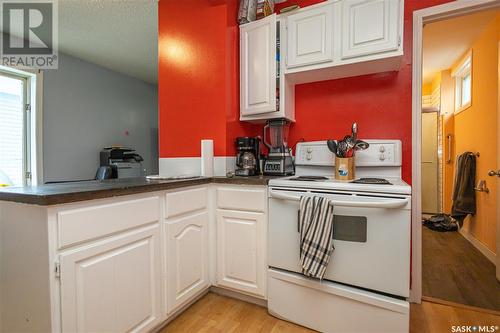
{"points": [[344, 168]]}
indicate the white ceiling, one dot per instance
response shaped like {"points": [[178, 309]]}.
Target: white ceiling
{"points": [[446, 41], [121, 35]]}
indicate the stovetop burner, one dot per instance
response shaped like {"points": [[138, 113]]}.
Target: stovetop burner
{"points": [[370, 181], [309, 178], [376, 181]]}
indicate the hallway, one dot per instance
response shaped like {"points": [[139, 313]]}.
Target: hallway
{"points": [[454, 270]]}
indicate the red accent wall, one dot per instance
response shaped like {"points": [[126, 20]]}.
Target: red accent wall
{"points": [[199, 77], [199, 88]]}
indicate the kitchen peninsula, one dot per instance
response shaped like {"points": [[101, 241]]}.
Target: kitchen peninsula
{"points": [[121, 255]]}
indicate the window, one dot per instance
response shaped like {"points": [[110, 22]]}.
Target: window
{"points": [[463, 84], [16, 130]]}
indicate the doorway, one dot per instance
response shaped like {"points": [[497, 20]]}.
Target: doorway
{"points": [[456, 120]]}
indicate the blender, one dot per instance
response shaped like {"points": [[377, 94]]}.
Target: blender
{"points": [[279, 161]]}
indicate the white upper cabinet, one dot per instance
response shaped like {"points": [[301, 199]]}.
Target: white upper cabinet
{"points": [[370, 27], [329, 40], [310, 37], [258, 67]]}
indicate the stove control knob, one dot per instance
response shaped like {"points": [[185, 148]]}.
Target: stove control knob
{"points": [[309, 150], [309, 157], [382, 149], [382, 157]]}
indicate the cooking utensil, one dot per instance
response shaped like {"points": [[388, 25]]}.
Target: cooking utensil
{"points": [[332, 145], [342, 148], [350, 141], [348, 146], [354, 132], [361, 145]]}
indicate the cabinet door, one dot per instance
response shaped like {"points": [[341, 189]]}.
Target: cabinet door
{"points": [[310, 37], [241, 251], [187, 255], [113, 286], [370, 27], [258, 66]]}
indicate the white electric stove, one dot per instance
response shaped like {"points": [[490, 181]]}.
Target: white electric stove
{"points": [[368, 278]]}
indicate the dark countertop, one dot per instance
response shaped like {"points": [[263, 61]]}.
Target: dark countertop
{"points": [[253, 180], [54, 194]]}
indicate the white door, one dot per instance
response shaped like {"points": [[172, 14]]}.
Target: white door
{"points": [[430, 163], [187, 256], [113, 285], [241, 251], [258, 66], [370, 27], [310, 37]]}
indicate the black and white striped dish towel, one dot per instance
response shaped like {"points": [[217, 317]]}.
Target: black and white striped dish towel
{"points": [[316, 235]]}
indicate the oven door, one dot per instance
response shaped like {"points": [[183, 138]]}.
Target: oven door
{"points": [[371, 238]]}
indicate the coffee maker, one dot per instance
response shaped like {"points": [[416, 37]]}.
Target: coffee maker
{"points": [[279, 161], [247, 159]]}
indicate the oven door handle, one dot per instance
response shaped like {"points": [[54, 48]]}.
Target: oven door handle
{"points": [[397, 203]]}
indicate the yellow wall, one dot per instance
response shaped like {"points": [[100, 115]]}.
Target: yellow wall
{"points": [[476, 130], [436, 82], [427, 89]]}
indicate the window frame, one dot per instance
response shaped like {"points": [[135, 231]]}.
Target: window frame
{"points": [[32, 122], [462, 70]]}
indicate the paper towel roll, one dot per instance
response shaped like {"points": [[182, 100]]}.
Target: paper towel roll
{"points": [[207, 158]]}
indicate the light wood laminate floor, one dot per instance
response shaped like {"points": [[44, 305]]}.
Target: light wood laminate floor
{"points": [[215, 313]]}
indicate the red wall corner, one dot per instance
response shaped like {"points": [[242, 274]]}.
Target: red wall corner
{"points": [[198, 77], [199, 86]]}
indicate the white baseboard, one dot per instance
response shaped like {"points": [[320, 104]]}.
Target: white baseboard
{"points": [[478, 245], [176, 166]]}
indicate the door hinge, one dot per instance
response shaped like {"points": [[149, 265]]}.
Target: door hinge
{"points": [[28, 175], [399, 40], [27, 107], [57, 270]]}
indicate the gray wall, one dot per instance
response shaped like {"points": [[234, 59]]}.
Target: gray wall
{"points": [[87, 107]]}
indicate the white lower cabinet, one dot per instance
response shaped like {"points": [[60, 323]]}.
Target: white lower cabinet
{"points": [[127, 264], [187, 258], [113, 285], [241, 251]]}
